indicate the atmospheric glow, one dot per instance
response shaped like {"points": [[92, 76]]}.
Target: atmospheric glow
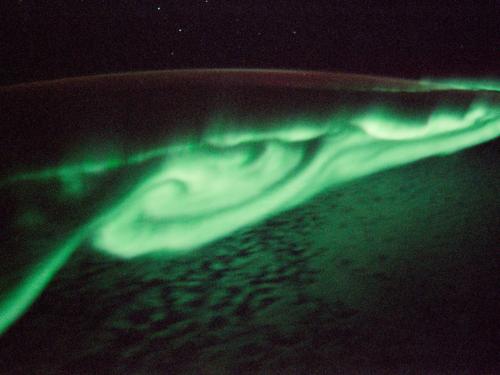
{"points": [[243, 171], [237, 176]]}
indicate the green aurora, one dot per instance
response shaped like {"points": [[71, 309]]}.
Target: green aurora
{"points": [[242, 170], [234, 177]]}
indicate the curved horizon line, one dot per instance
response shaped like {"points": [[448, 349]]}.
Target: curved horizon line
{"points": [[297, 78]]}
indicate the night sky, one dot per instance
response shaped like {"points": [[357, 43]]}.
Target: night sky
{"points": [[53, 39]]}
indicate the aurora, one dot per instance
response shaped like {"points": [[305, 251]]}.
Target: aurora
{"points": [[168, 162], [238, 177]]}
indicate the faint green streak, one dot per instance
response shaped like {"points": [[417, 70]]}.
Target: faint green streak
{"points": [[464, 84], [17, 301]]}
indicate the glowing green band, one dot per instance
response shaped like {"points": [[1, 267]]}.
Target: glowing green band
{"points": [[238, 176], [17, 301]]}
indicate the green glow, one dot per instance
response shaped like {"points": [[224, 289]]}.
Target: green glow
{"points": [[237, 176], [71, 174], [17, 301], [465, 84], [242, 171], [30, 218]]}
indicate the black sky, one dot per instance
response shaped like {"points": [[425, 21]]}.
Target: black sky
{"points": [[50, 39]]}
